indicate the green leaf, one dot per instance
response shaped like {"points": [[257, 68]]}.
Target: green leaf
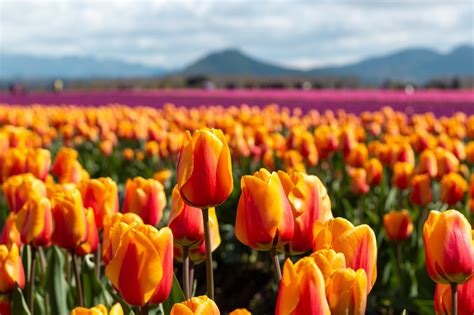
{"points": [[19, 306], [56, 283], [176, 296], [389, 203], [94, 292]]}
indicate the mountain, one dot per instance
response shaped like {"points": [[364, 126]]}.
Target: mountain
{"points": [[417, 65], [232, 62], [14, 66]]}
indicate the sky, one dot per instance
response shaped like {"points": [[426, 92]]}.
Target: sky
{"points": [[172, 34]]}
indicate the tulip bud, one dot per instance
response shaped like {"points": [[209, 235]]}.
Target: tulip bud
{"points": [[446, 162], [91, 243], [240, 311], [302, 289], [421, 190], [14, 162], [101, 195], [374, 170], [185, 221], [264, 214], [346, 291], [136, 268], [35, 221], [204, 173], [200, 305], [10, 234], [310, 203], [98, 310], [328, 261], [449, 249], [402, 172], [398, 225], [38, 162], [443, 299], [67, 168], [358, 178], [11, 269], [145, 197], [70, 221], [427, 163], [453, 187], [358, 156], [327, 140], [18, 189], [470, 152]]}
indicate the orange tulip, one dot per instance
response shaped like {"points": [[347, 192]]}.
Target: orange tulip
{"points": [[421, 190], [163, 176], [328, 261], [358, 178], [374, 170], [403, 152], [200, 305], [70, 221], [310, 202], [98, 310], [470, 152], [18, 189], [453, 187], [106, 147], [446, 162], [140, 262], [398, 225], [145, 197], [204, 173], [10, 234], [5, 308], [67, 168], [302, 289], [402, 172], [91, 243], [264, 214], [38, 162], [101, 195], [427, 163], [185, 221], [358, 245], [449, 249], [346, 291], [11, 269], [326, 139], [35, 221], [358, 156], [443, 304], [471, 194], [240, 311], [14, 162]]}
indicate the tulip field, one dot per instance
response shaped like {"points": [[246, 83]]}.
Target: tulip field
{"points": [[236, 209]]}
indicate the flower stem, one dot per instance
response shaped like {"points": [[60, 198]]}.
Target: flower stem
{"points": [[80, 298], [207, 239], [401, 275], [191, 278], [276, 261], [187, 291], [31, 287], [454, 299]]}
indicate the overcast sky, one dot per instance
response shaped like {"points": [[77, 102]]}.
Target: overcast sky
{"points": [[174, 33]]}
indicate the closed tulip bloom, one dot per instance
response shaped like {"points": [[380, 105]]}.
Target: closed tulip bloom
{"points": [[398, 225], [11, 269], [327, 140], [449, 249], [98, 310], [402, 173], [358, 178], [446, 161], [185, 221], [453, 187], [91, 243], [358, 244], [136, 268], [374, 170], [346, 291], [67, 168], [240, 311], [264, 214], [403, 152], [38, 162], [101, 195], [14, 162], [328, 261], [443, 304], [421, 193], [10, 234], [302, 289], [358, 156], [427, 163], [470, 152], [18, 189], [204, 173], [310, 203], [70, 221], [35, 221], [200, 305], [145, 197]]}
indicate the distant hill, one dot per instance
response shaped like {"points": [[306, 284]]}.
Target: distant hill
{"points": [[14, 66], [232, 62]]}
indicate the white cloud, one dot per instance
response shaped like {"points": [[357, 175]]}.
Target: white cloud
{"points": [[173, 33]]}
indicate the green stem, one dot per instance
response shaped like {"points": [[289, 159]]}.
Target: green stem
{"points": [[31, 286], [276, 261], [400, 271], [454, 299], [207, 240], [98, 262], [80, 298], [187, 293], [191, 278]]}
